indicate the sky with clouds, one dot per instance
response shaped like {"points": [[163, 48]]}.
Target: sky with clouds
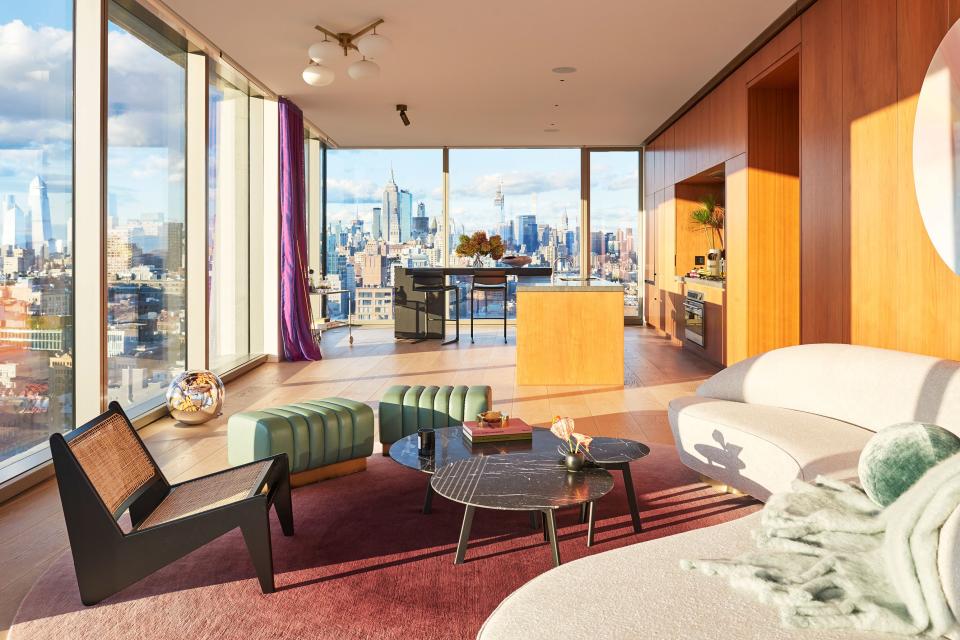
{"points": [[145, 126], [541, 181]]}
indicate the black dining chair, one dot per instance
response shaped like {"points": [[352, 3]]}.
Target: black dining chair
{"points": [[433, 282], [490, 281], [104, 470]]}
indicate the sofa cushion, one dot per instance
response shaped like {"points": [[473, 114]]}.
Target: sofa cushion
{"points": [[868, 387], [760, 449], [640, 591]]}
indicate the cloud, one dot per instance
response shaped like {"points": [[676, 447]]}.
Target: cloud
{"points": [[519, 183], [36, 77], [610, 181], [146, 94], [347, 191]]}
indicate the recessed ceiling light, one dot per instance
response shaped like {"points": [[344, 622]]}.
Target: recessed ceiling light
{"points": [[556, 105], [564, 69], [551, 130]]}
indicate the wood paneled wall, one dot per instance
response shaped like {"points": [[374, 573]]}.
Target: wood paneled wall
{"points": [[869, 274]]}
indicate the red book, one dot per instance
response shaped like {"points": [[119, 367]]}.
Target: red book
{"points": [[514, 429]]}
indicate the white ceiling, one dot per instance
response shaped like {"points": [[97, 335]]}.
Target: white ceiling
{"points": [[478, 73]]}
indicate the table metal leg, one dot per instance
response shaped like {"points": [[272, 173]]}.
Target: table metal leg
{"points": [[464, 535], [428, 498], [590, 523], [631, 497], [551, 527], [583, 512]]}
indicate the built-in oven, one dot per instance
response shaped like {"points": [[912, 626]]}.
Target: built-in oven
{"points": [[693, 311]]}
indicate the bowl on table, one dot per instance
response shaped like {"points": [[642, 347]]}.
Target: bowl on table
{"points": [[490, 419], [516, 261]]}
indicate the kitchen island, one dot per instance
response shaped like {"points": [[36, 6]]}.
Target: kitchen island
{"points": [[409, 303], [570, 332]]}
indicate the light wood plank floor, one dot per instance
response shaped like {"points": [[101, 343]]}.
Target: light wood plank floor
{"points": [[32, 532]]}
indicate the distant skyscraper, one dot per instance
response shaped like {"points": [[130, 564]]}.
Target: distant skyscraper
{"points": [[390, 211], [176, 248], [421, 227], [41, 228], [504, 229], [375, 227], [16, 232], [498, 203], [405, 214], [527, 230]]}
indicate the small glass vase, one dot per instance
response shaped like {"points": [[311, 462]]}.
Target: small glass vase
{"points": [[477, 261]]}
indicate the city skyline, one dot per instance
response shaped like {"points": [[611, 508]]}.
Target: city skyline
{"points": [[372, 233]]}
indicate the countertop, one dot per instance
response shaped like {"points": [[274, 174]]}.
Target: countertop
{"points": [[520, 272], [570, 286], [704, 282]]}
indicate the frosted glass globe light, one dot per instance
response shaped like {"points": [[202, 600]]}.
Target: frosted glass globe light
{"points": [[317, 75], [374, 45], [324, 52], [363, 70]]}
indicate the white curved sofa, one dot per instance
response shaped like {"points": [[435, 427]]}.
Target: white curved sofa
{"points": [[805, 411], [758, 425]]}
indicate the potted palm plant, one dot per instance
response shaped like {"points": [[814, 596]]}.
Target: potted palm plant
{"points": [[709, 217]]}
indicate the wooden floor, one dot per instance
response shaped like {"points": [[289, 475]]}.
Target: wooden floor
{"points": [[32, 532]]}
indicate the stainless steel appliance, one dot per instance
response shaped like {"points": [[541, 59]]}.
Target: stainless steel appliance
{"points": [[693, 311]]}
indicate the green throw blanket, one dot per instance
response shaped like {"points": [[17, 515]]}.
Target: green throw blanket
{"points": [[830, 558]]}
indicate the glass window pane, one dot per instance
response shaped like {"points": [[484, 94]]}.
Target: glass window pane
{"points": [[614, 215], [36, 198], [228, 221], [529, 197], [384, 207], [146, 239]]}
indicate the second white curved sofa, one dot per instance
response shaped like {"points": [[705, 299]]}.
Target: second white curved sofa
{"points": [[808, 410]]}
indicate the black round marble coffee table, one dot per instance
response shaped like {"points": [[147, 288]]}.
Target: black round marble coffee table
{"points": [[614, 454], [519, 482]]}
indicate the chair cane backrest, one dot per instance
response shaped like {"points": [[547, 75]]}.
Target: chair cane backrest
{"points": [[113, 458], [490, 278]]}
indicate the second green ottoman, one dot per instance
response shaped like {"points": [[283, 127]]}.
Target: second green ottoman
{"points": [[322, 438], [404, 409]]}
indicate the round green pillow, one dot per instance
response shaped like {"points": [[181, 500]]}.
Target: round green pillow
{"points": [[898, 455]]}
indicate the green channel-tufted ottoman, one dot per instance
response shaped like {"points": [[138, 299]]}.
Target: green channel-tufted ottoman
{"points": [[322, 438], [404, 409]]}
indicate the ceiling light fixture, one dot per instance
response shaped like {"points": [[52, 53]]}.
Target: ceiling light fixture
{"points": [[564, 69], [402, 108], [366, 41]]}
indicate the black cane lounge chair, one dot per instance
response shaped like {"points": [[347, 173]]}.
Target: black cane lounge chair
{"points": [[103, 469]]}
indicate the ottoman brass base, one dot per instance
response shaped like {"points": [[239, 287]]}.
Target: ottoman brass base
{"points": [[336, 470]]}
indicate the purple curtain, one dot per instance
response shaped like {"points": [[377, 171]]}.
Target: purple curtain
{"points": [[295, 313]]}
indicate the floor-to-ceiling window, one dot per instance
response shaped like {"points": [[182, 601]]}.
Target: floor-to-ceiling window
{"points": [[614, 216], [36, 224], [228, 216], [529, 197], [146, 240], [384, 208]]}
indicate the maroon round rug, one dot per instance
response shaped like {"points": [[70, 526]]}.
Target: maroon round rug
{"points": [[366, 563]]}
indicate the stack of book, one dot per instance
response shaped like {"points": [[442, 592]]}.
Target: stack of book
{"points": [[514, 429]]}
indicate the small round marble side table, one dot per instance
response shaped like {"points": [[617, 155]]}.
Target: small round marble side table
{"points": [[519, 482]]}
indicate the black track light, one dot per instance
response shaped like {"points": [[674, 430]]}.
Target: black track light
{"points": [[402, 108]]}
